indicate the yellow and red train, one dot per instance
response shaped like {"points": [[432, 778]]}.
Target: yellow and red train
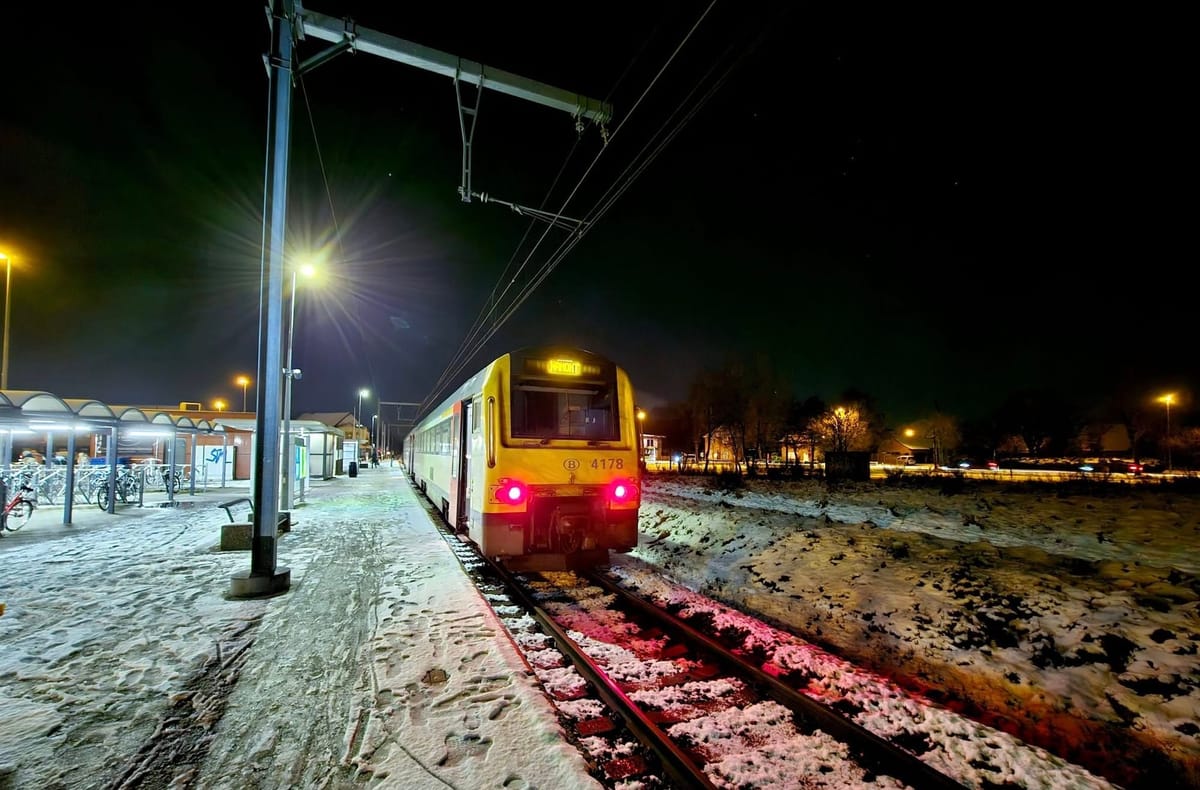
{"points": [[536, 459]]}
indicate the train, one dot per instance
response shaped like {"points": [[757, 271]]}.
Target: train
{"points": [[535, 459]]}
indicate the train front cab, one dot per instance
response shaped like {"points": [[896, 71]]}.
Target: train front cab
{"points": [[551, 461]]}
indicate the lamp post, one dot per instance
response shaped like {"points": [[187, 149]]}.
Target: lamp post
{"points": [[362, 393], [641, 438], [243, 382], [1168, 399], [219, 404], [7, 302], [374, 435], [290, 374]]}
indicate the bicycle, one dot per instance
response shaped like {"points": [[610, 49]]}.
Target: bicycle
{"points": [[155, 476], [128, 488], [18, 510], [87, 480]]}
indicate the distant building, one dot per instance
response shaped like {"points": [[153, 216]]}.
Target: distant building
{"points": [[903, 453], [795, 449], [719, 448], [652, 447]]}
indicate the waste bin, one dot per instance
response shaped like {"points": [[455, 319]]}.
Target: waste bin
{"points": [[354, 468]]}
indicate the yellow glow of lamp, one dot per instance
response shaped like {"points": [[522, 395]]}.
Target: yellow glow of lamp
{"points": [[219, 405], [1168, 399], [243, 382]]}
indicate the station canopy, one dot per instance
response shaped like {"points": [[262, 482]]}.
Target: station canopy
{"points": [[42, 412]]}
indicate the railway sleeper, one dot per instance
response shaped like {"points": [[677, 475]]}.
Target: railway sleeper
{"points": [[625, 767], [597, 726]]}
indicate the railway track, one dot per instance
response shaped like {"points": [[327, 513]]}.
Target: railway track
{"points": [[878, 755], [647, 698]]}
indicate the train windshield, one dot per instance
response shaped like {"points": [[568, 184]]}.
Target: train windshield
{"points": [[547, 410]]}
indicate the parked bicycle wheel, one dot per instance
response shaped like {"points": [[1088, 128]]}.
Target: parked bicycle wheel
{"points": [[18, 516], [102, 495], [129, 488]]}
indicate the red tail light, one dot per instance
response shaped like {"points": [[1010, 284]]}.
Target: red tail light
{"points": [[622, 492], [511, 492]]}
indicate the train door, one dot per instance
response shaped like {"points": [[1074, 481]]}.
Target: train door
{"points": [[464, 467], [457, 506]]}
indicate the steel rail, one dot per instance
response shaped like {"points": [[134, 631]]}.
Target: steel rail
{"points": [[880, 754], [675, 762]]}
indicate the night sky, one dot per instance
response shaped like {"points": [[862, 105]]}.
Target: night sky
{"points": [[937, 210]]}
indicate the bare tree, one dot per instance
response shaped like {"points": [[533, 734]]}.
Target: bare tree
{"points": [[1186, 444], [700, 398], [872, 420], [716, 403], [767, 400], [1041, 418], [801, 429], [941, 430], [842, 428]]}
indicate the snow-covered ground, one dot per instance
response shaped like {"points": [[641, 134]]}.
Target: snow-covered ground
{"points": [[124, 663], [1069, 619]]}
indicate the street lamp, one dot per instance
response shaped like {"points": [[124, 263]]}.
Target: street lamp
{"points": [[362, 393], [1168, 399], [7, 301], [641, 438], [291, 374], [243, 382], [219, 404]]}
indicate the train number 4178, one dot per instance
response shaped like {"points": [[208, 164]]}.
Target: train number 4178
{"points": [[608, 463]]}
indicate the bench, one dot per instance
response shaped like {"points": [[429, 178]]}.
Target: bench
{"points": [[226, 506], [284, 519], [238, 536]]}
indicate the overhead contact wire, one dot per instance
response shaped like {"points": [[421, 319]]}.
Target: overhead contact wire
{"points": [[575, 237]]}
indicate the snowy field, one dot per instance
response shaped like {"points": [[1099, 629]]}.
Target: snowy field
{"points": [[1069, 619]]}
